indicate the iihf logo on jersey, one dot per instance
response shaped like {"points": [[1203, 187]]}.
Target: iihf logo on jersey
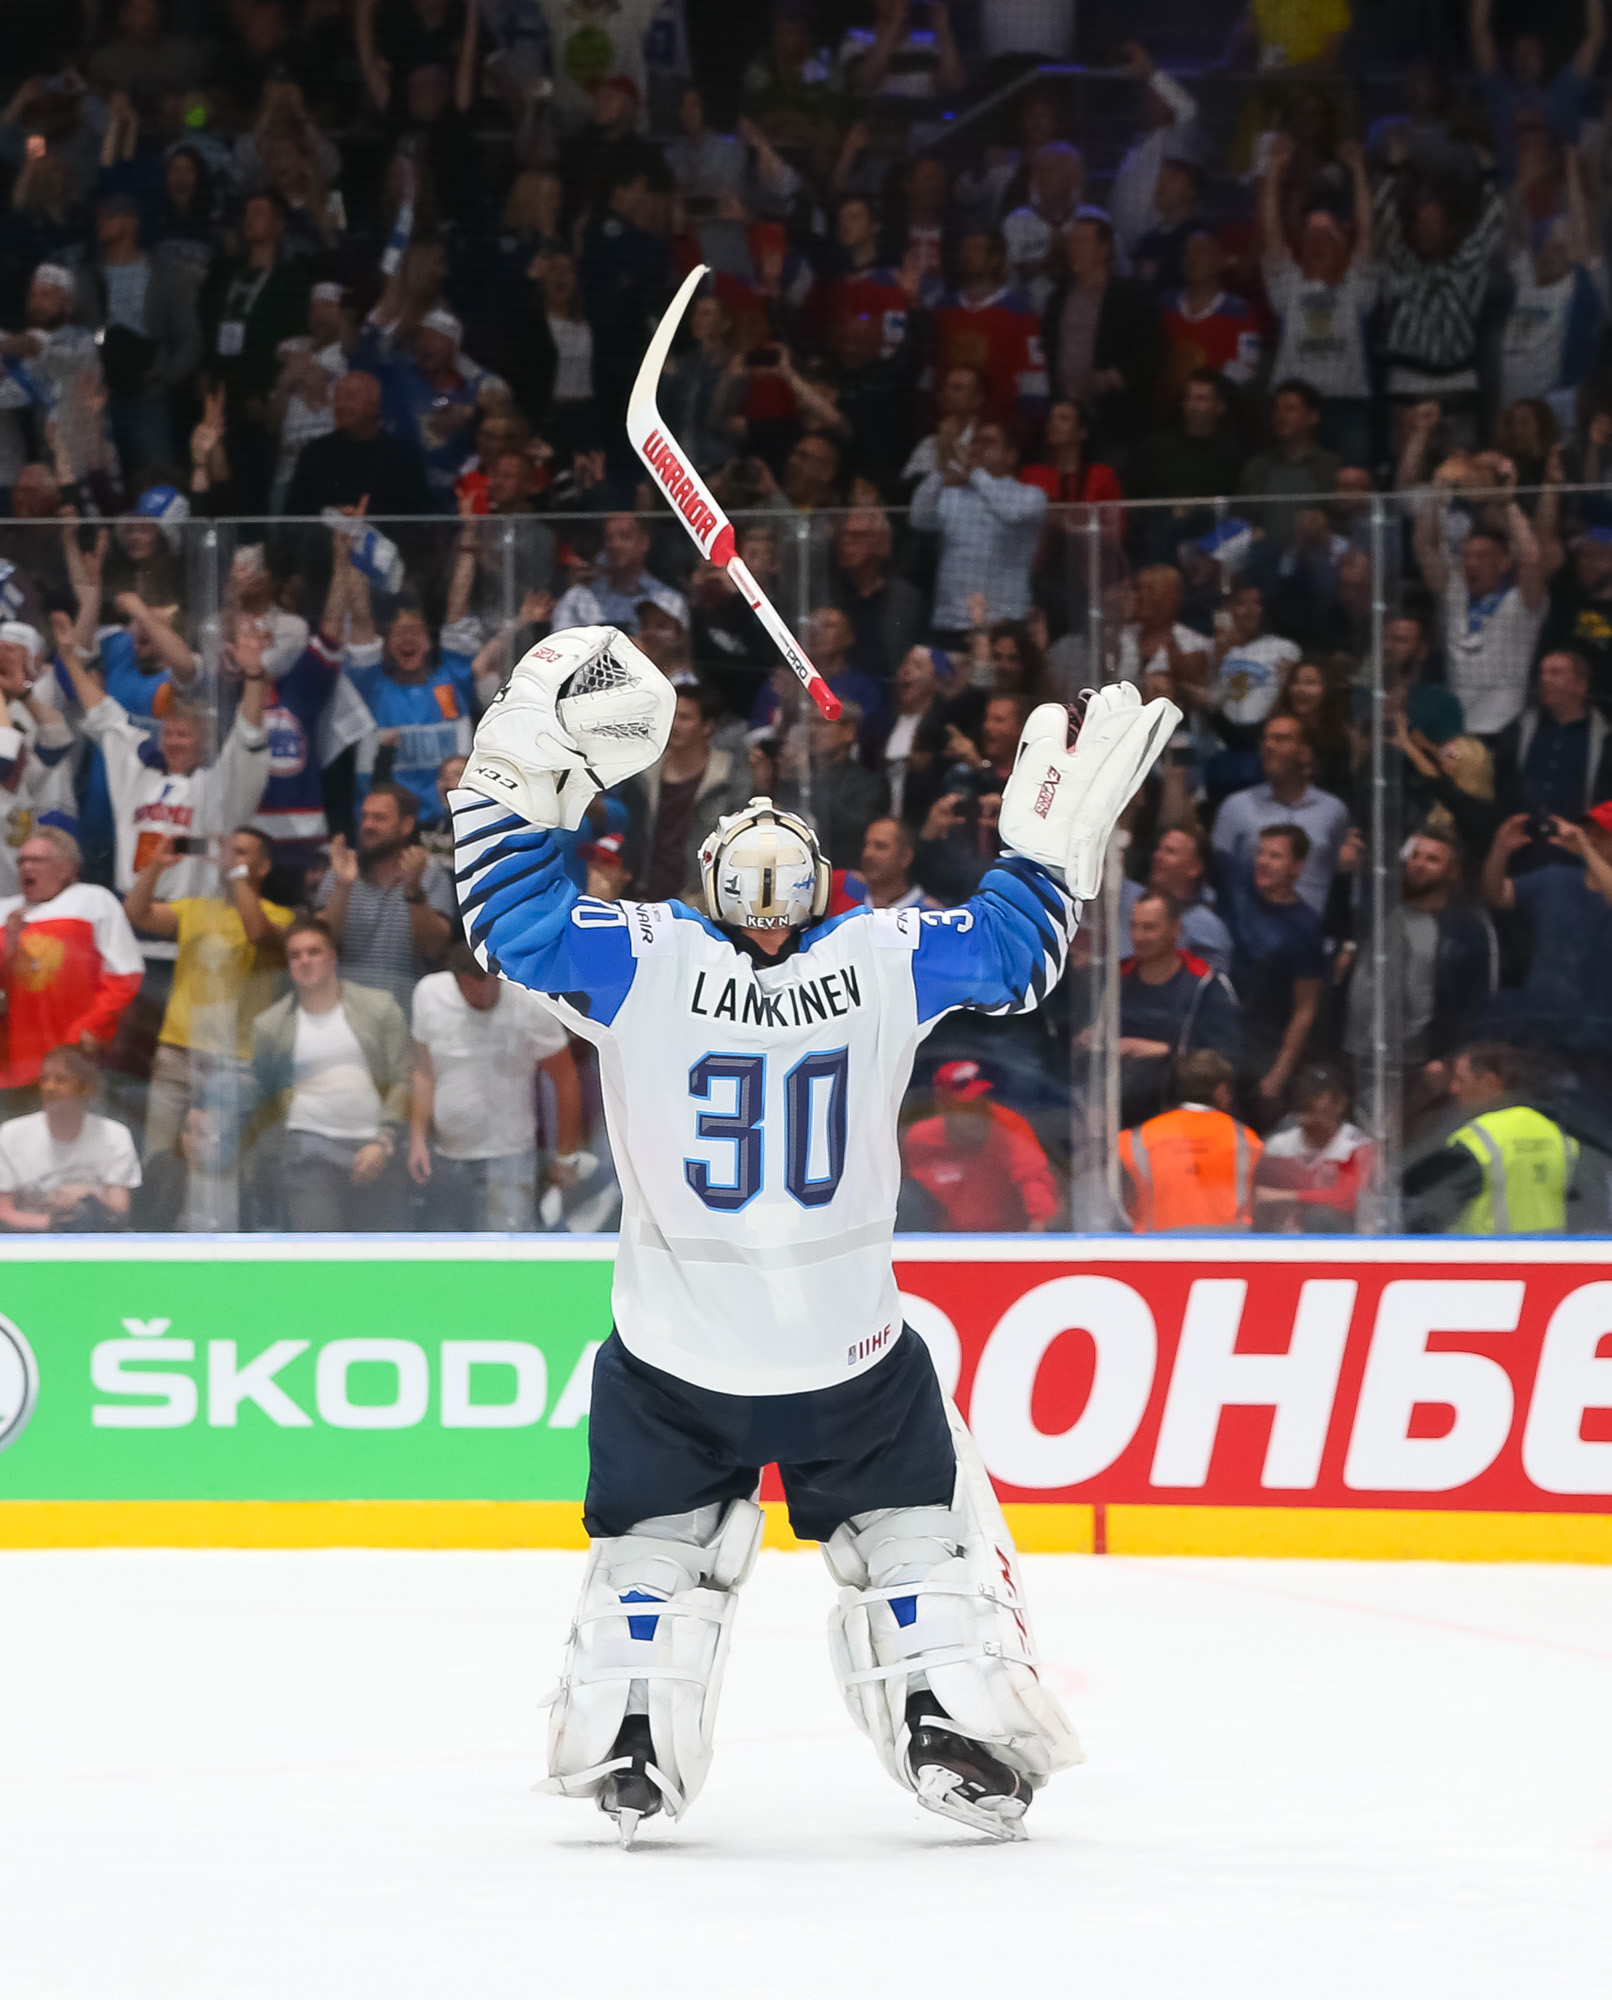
{"points": [[863, 1350], [19, 1383]]}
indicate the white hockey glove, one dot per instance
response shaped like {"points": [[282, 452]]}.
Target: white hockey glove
{"points": [[582, 711], [1060, 806]]}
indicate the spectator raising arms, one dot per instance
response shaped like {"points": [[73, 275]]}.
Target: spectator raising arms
{"points": [[1322, 299], [1492, 584], [429, 703], [229, 967], [1169, 118], [1566, 998], [176, 793], [36, 772], [1434, 269]]}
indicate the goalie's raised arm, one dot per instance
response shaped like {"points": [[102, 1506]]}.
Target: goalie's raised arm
{"points": [[523, 916], [1004, 949], [1061, 803], [583, 710]]}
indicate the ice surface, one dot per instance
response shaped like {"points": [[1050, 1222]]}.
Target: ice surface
{"points": [[308, 1775]]}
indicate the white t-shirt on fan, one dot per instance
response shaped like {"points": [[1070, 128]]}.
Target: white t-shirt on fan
{"points": [[31, 1160], [1249, 678], [484, 1062], [332, 1091], [1323, 328], [1533, 341], [573, 347]]}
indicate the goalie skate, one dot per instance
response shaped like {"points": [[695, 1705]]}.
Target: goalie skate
{"points": [[960, 1779], [632, 1790]]}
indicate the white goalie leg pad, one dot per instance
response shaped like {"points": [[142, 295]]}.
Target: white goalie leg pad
{"points": [[651, 1638], [930, 1597]]}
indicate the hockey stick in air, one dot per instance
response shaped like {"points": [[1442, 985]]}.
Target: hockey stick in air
{"points": [[691, 498]]}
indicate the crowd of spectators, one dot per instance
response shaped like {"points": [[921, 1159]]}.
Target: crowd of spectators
{"points": [[1256, 387]]}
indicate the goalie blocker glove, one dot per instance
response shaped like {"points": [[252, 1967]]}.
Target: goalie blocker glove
{"points": [[1060, 805], [582, 711]]}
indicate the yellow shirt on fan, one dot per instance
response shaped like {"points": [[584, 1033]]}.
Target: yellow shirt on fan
{"points": [[221, 982], [1294, 32]]}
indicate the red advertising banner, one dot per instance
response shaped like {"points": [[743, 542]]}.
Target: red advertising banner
{"points": [[1278, 1372]]}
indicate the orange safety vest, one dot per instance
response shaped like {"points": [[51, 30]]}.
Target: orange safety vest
{"points": [[1192, 1168]]}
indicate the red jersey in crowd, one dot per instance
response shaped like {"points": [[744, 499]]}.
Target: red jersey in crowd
{"points": [[849, 891], [1000, 335], [1331, 1176], [874, 293], [1002, 1184], [768, 396], [75, 968], [1092, 483], [1225, 337]]}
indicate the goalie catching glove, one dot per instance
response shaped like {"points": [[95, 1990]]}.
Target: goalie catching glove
{"points": [[582, 711], [1060, 805]]}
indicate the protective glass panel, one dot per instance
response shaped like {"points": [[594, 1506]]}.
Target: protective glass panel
{"points": [[1368, 848]]}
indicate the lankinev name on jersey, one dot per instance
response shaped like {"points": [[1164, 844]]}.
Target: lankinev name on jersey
{"points": [[829, 995]]}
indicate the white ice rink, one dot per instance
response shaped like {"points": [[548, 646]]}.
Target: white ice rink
{"points": [[308, 1775]]}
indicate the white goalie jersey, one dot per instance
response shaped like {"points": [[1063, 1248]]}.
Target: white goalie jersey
{"points": [[752, 1103]]}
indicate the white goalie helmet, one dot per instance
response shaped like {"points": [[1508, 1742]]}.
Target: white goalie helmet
{"points": [[762, 869]]}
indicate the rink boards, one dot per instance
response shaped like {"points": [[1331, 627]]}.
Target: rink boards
{"points": [[1269, 1396]]}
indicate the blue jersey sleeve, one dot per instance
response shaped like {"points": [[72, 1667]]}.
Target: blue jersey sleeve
{"points": [[460, 669], [366, 677], [524, 918], [134, 691], [1002, 951]]}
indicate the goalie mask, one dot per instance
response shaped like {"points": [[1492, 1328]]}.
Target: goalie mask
{"points": [[762, 869]]}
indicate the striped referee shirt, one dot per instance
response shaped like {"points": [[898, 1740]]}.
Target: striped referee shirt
{"points": [[1431, 308]]}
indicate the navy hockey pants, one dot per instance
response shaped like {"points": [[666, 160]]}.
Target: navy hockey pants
{"points": [[659, 1445]]}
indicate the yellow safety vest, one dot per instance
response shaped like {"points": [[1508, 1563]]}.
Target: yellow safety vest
{"points": [[1528, 1165]]}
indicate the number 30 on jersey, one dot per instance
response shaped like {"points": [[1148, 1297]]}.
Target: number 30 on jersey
{"points": [[735, 1088]]}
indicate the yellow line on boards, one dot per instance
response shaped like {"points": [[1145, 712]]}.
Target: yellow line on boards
{"points": [[1364, 1533], [292, 1524], [1368, 1534]]}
